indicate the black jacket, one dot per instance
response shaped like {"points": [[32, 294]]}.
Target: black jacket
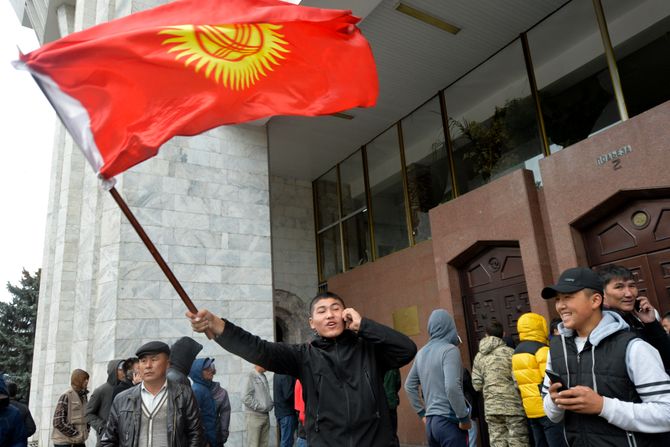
{"points": [[26, 415], [653, 333], [182, 354], [121, 387], [184, 429], [342, 379], [283, 395], [97, 408]]}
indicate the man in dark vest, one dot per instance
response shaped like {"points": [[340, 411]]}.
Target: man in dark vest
{"points": [[157, 413], [609, 386]]}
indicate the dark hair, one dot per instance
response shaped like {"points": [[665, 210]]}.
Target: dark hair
{"points": [[494, 329], [611, 272], [128, 364], [323, 296], [667, 315], [553, 325], [591, 292], [11, 388]]}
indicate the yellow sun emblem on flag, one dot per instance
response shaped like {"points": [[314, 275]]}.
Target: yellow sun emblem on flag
{"points": [[234, 55]]}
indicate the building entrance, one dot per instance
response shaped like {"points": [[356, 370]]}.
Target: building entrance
{"points": [[636, 236], [495, 289]]}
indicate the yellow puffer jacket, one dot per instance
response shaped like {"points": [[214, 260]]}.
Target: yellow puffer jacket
{"points": [[530, 360]]}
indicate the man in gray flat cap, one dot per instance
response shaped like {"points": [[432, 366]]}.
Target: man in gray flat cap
{"points": [[157, 413]]}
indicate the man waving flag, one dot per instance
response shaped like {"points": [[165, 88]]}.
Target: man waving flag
{"points": [[125, 87]]}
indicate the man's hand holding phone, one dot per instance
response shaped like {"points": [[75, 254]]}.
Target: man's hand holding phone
{"points": [[556, 379], [644, 310]]}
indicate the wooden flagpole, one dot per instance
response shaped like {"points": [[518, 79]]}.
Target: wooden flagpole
{"points": [[153, 250]]}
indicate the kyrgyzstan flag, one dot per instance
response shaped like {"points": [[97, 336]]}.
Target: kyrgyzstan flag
{"points": [[125, 87]]}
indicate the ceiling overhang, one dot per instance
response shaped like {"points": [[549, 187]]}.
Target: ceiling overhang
{"points": [[414, 61]]}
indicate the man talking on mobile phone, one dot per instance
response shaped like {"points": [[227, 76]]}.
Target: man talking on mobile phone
{"points": [[341, 370], [622, 296]]}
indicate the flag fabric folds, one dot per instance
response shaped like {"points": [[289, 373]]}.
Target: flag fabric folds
{"points": [[125, 87]]}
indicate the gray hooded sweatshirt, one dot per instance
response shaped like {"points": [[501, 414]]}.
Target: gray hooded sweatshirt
{"points": [[438, 369]]}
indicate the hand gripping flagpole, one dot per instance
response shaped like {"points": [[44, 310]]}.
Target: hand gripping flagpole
{"points": [[156, 254]]}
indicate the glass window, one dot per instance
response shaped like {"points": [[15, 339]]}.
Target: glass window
{"points": [[573, 81], [357, 239], [428, 174], [492, 120], [326, 199], [352, 184], [330, 252], [386, 190], [640, 35]]}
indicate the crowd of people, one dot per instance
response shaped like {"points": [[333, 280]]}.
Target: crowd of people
{"points": [[598, 375]]}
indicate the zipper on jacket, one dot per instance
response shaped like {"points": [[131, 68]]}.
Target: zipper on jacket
{"points": [[374, 396], [346, 395], [318, 405], [631, 439]]}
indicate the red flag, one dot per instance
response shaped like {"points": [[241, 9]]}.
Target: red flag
{"points": [[125, 87]]}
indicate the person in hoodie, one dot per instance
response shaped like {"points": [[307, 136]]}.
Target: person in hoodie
{"points": [[12, 428], [222, 408], [182, 354], [131, 376], [201, 377], [616, 389], [528, 365], [22, 407], [492, 374], [438, 370], [341, 370], [69, 420], [97, 408]]}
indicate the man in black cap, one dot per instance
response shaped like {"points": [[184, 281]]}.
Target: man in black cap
{"points": [[608, 386], [157, 413]]}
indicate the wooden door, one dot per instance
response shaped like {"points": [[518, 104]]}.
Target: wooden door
{"points": [[637, 236], [637, 228], [495, 289], [659, 264], [639, 266]]}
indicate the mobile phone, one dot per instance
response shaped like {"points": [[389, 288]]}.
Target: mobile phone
{"points": [[637, 305], [555, 378]]}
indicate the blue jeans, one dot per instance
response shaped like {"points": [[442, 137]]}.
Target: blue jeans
{"points": [[546, 433], [441, 432], [472, 434], [301, 442], [287, 427]]}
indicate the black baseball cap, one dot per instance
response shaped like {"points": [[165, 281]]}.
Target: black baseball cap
{"points": [[573, 280], [153, 347]]}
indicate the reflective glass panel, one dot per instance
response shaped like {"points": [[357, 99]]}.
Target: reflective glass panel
{"points": [[572, 77], [352, 184], [492, 120], [326, 199], [640, 34], [357, 240], [428, 176], [388, 203], [330, 252]]}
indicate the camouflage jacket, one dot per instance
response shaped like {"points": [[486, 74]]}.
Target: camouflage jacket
{"points": [[492, 373]]}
